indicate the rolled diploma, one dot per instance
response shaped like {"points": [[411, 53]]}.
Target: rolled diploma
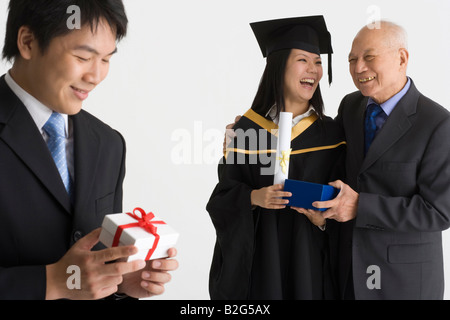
{"points": [[283, 147]]}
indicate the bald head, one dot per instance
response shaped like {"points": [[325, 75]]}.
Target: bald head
{"points": [[392, 34], [378, 60]]}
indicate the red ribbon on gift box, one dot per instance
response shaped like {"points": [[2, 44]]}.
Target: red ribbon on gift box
{"points": [[144, 221]]}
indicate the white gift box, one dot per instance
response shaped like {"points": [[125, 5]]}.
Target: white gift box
{"points": [[138, 236]]}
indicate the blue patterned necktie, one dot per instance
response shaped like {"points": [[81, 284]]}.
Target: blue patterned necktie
{"points": [[55, 129], [375, 118]]}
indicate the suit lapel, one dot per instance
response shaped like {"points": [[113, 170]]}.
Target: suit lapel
{"points": [[86, 153], [397, 124], [355, 132], [23, 137]]}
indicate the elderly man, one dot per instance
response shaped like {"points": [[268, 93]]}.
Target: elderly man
{"points": [[396, 201]]}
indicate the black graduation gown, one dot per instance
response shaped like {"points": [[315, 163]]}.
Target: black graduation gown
{"points": [[272, 254]]}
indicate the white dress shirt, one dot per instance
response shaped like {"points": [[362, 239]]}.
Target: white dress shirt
{"points": [[40, 114], [273, 115]]}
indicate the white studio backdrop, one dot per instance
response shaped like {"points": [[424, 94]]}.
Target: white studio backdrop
{"points": [[187, 68]]}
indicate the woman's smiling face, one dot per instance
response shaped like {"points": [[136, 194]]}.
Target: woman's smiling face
{"points": [[302, 75]]}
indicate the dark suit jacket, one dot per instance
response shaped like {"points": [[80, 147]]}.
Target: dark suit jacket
{"points": [[38, 223], [404, 199]]}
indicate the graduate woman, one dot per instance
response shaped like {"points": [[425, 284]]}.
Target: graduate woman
{"points": [[266, 249]]}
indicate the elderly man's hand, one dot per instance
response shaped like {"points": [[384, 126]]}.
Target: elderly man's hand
{"points": [[315, 216], [229, 133], [342, 208]]}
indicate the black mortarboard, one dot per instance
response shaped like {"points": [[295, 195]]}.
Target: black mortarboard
{"points": [[305, 33]]}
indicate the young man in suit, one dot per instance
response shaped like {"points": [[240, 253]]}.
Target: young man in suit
{"points": [[52, 202], [396, 199]]}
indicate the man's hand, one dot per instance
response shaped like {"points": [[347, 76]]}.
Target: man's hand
{"points": [[270, 197], [150, 281], [99, 278], [229, 134], [315, 216], [342, 208]]}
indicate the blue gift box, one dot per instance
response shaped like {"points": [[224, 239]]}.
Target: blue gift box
{"points": [[305, 193]]}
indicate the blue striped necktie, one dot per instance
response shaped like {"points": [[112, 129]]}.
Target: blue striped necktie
{"points": [[55, 129]]}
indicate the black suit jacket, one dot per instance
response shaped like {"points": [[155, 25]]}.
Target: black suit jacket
{"points": [[38, 223], [404, 199]]}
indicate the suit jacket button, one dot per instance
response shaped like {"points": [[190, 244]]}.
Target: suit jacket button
{"points": [[77, 235]]}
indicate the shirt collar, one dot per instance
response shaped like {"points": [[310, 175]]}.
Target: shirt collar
{"points": [[38, 111], [390, 104], [272, 113]]}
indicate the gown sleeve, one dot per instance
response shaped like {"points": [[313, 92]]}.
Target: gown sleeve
{"points": [[231, 213]]}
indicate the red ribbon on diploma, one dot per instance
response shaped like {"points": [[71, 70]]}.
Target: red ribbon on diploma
{"points": [[144, 221]]}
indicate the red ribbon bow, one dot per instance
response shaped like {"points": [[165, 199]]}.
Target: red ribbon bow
{"points": [[144, 221]]}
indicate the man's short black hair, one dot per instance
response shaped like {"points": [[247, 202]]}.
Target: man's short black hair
{"points": [[48, 19]]}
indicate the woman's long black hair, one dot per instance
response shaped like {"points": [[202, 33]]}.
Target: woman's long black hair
{"points": [[271, 87]]}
